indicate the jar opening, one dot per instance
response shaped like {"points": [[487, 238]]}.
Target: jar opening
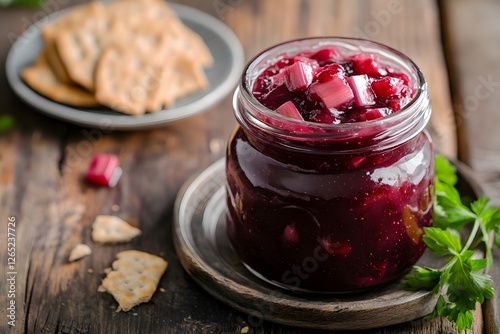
{"points": [[377, 134]]}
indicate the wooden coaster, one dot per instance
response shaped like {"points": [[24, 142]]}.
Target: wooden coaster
{"points": [[205, 253]]}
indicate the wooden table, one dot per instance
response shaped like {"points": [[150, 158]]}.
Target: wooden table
{"points": [[42, 160]]}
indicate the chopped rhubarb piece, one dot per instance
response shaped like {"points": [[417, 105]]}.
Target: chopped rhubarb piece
{"points": [[333, 93], [289, 109], [104, 170], [388, 86], [313, 63], [299, 76], [363, 94], [366, 64], [326, 55], [279, 78]]}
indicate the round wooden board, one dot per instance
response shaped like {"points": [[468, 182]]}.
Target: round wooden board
{"points": [[205, 253]]}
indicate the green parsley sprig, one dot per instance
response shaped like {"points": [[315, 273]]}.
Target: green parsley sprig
{"points": [[461, 282]]}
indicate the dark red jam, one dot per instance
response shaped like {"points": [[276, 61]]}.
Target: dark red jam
{"points": [[330, 208], [326, 87]]}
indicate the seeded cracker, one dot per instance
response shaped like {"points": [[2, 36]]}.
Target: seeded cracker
{"points": [[111, 229], [42, 79], [79, 252], [134, 278]]}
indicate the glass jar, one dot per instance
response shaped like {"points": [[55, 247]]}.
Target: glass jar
{"points": [[337, 208]]}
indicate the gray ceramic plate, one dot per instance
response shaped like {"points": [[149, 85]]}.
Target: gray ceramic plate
{"points": [[223, 76], [201, 243]]}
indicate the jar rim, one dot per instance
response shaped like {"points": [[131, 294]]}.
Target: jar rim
{"points": [[355, 44]]}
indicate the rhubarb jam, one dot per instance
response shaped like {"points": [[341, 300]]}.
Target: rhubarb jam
{"points": [[330, 171]]}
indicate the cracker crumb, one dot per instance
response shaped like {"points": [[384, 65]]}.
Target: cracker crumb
{"points": [[115, 208], [112, 229], [245, 330], [162, 290], [134, 278], [79, 252], [90, 271]]}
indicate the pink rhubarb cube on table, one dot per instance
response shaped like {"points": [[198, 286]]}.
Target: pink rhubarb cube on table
{"points": [[104, 170]]}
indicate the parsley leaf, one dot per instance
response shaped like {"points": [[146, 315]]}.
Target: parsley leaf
{"points": [[461, 282], [445, 172]]}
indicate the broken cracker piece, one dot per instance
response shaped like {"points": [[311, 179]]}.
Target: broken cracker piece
{"points": [[134, 278], [111, 229], [190, 77], [78, 252], [42, 79]]}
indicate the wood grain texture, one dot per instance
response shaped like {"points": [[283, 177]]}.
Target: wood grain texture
{"points": [[42, 163], [472, 36]]}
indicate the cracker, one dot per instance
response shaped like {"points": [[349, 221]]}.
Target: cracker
{"points": [[126, 54], [194, 47], [72, 19], [55, 63], [185, 78], [79, 252], [42, 79], [134, 13], [111, 229], [129, 81], [81, 48], [134, 278]]}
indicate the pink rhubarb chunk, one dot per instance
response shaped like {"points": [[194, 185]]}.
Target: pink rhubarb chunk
{"points": [[104, 170], [288, 109], [363, 94], [334, 93], [299, 76]]}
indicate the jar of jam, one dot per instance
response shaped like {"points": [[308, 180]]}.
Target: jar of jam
{"points": [[330, 171]]}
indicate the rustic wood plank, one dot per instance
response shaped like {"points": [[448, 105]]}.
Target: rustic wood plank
{"points": [[154, 163], [472, 38]]}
